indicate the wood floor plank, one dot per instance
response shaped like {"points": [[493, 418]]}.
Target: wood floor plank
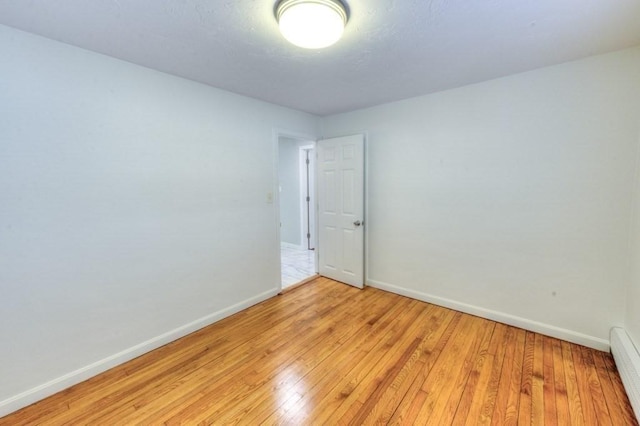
{"points": [[319, 380], [386, 406], [584, 388], [559, 383], [595, 389], [503, 386], [469, 403], [608, 392], [384, 381], [508, 401], [353, 377], [327, 353], [525, 406], [324, 377], [484, 399], [414, 398], [439, 382], [444, 399], [537, 384], [571, 381], [620, 395], [270, 361], [258, 405], [548, 384]]}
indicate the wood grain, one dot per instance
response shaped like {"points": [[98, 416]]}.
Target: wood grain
{"points": [[327, 353]]}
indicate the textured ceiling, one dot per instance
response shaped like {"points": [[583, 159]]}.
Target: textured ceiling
{"points": [[391, 50]]}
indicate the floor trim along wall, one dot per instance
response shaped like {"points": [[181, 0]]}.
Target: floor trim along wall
{"points": [[538, 327], [293, 246], [47, 389], [628, 362]]}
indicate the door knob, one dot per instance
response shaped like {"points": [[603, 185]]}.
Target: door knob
{"points": [[357, 223]]}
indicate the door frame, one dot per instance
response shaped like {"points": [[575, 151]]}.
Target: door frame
{"points": [[277, 133], [312, 194], [365, 205], [367, 217]]}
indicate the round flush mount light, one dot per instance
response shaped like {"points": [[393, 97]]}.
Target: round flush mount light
{"points": [[312, 24]]}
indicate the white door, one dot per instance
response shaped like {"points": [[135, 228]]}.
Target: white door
{"points": [[340, 168]]}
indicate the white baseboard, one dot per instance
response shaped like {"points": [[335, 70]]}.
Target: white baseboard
{"points": [[538, 327], [627, 360], [74, 377], [293, 246]]}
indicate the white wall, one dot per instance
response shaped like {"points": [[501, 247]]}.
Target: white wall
{"points": [[632, 319], [510, 198], [132, 203]]}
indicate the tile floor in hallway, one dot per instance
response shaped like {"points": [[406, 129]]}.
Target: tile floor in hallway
{"points": [[297, 264]]}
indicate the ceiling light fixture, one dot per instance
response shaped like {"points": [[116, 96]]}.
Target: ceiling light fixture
{"points": [[312, 24]]}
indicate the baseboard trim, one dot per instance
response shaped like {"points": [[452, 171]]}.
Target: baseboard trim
{"points": [[538, 327], [299, 284], [293, 246], [56, 385], [627, 360]]}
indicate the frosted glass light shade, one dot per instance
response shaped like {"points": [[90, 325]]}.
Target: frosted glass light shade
{"points": [[312, 24]]}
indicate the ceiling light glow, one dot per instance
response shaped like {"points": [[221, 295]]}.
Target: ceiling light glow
{"points": [[311, 24]]}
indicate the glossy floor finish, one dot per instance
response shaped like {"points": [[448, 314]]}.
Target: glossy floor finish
{"points": [[297, 264], [327, 353]]}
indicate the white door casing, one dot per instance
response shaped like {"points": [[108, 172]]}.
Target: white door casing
{"points": [[307, 224], [340, 171]]}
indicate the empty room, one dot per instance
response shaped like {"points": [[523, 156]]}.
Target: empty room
{"points": [[304, 212]]}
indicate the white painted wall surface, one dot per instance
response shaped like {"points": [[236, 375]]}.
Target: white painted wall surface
{"points": [[132, 204], [632, 319], [510, 198]]}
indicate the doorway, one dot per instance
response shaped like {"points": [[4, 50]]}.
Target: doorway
{"points": [[296, 190], [341, 206]]}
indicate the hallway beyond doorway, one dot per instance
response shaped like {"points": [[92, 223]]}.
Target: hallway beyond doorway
{"points": [[297, 264]]}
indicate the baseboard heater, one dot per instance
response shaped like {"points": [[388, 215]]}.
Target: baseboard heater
{"points": [[628, 362]]}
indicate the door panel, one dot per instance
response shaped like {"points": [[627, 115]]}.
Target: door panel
{"points": [[330, 192], [341, 209]]}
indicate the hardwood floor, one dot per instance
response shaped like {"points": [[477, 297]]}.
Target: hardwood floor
{"points": [[326, 353]]}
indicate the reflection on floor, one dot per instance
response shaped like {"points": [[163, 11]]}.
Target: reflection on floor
{"points": [[297, 264]]}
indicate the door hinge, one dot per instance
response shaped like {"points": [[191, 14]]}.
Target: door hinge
{"points": [[308, 199], [307, 161]]}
